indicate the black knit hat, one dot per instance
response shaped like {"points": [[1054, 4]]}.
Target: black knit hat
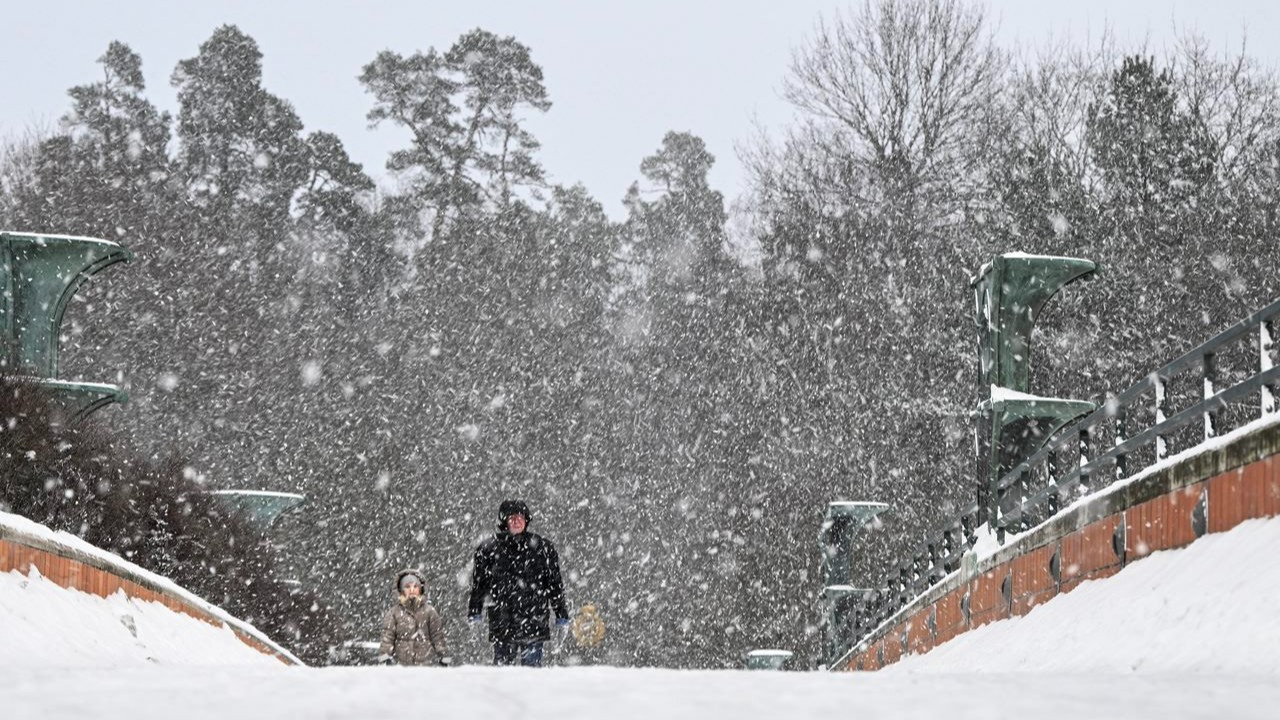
{"points": [[513, 507]]}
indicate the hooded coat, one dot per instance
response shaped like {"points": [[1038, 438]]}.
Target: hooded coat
{"points": [[412, 630], [518, 578]]}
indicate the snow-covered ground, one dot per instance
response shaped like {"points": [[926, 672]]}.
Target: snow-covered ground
{"points": [[18, 527], [1208, 608], [165, 693], [43, 625], [1190, 633]]}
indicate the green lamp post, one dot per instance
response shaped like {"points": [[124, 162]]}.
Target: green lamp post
{"points": [[39, 274], [1012, 424], [835, 542]]}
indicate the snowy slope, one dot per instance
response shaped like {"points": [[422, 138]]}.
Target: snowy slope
{"points": [[22, 529], [1207, 608], [47, 626], [1188, 633]]}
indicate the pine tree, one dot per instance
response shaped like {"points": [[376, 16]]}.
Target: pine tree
{"points": [[241, 154], [107, 174], [1153, 156], [469, 150]]}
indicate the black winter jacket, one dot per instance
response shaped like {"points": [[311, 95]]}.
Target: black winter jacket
{"points": [[520, 576]]}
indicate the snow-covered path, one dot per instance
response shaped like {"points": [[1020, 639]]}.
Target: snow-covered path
{"points": [[164, 693], [1190, 633]]}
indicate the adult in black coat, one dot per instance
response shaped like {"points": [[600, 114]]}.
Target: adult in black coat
{"points": [[517, 577]]}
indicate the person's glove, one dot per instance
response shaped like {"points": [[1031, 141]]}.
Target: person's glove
{"points": [[475, 628]]}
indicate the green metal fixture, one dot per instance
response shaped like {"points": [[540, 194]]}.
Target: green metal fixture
{"points": [[1012, 424], [78, 400], [261, 507], [767, 659], [39, 274], [842, 603], [1024, 422], [1010, 291], [835, 538], [835, 542]]}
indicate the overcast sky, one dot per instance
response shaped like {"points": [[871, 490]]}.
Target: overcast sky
{"points": [[619, 74]]}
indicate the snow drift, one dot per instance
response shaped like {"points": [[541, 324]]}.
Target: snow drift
{"points": [[1183, 633], [1208, 608], [43, 624], [46, 625]]}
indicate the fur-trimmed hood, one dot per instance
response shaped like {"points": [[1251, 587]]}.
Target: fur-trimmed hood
{"points": [[400, 576]]}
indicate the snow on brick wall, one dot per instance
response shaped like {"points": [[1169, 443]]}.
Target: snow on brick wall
{"points": [[97, 595], [1023, 584]]}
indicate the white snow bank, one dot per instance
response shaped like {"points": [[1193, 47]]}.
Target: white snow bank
{"points": [[19, 527], [1181, 634], [46, 625], [1208, 608], [599, 693]]}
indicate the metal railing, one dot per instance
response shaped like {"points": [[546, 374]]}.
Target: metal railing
{"points": [[1100, 448], [1199, 396], [935, 558]]}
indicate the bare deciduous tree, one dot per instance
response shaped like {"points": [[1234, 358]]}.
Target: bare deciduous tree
{"points": [[1236, 101], [906, 88], [19, 155]]}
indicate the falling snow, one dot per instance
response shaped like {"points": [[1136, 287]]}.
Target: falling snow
{"points": [[678, 390]]}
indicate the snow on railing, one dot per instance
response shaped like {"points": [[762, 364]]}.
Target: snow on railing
{"points": [[1040, 487]]}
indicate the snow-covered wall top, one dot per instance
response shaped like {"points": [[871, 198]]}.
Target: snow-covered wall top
{"points": [[1112, 520]]}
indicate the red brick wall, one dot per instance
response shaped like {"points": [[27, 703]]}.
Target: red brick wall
{"points": [[1249, 492], [872, 659], [1162, 523], [892, 644], [986, 597], [920, 635], [1089, 553], [950, 615], [1033, 583]]}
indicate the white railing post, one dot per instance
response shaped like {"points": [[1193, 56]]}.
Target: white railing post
{"points": [[1266, 341], [1210, 376], [1162, 447]]}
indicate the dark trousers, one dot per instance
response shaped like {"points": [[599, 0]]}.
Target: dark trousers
{"points": [[527, 654]]}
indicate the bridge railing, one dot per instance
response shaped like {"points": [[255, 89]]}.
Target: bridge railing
{"points": [[1219, 386]]}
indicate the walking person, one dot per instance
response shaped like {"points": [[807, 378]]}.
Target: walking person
{"points": [[412, 630], [516, 575]]}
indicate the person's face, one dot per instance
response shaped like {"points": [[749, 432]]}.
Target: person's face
{"points": [[412, 588], [516, 523]]}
